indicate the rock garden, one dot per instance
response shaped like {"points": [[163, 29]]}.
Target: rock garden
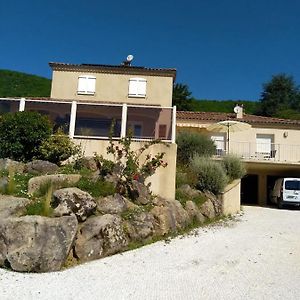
{"points": [[52, 217], [56, 213]]}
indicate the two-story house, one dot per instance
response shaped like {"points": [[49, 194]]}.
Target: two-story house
{"points": [[270, 148], [86, 99]]}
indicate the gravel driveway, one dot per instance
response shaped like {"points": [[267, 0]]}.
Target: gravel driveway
{"points": [[256, 257]]}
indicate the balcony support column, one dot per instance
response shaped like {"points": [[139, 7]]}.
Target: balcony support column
{"points": [[124, 121], [174, 125], [262, 190], [22, 104], [72, 119]]}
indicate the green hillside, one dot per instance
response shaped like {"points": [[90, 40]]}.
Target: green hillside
{"points": [[17, 84], [250, 107]]}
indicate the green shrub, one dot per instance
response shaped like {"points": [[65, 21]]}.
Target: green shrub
{"points": [[190, 143], [22, 133], [211, 176], [183, 198], [184, 175], [58, 148], [233, 167], [106, 166], [96, 188], [17, 183], [36, 207], [40, 206], [126, 164]]}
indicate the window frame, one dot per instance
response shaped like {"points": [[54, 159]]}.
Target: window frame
{"points": [[138, 81], [86, 91]]}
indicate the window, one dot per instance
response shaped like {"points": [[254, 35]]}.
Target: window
{"points": [[265, 146], [292, 185], [86, 85], [135, 129], [58, 113], [219, 141], [264, 143], [97, 120], [150, 122], [9, 106], [162, 131], [137, 87]]}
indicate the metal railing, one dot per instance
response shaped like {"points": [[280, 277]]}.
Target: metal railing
{"points": [[263, 152]]}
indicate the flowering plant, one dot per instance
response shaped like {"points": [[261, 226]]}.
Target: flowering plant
{"points": [[129, 165]]}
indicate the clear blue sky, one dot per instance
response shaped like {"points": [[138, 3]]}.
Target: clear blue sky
{"points": [[223, 49]]}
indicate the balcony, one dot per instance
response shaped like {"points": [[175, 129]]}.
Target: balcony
{"points": [[96, 120], [273, 152]]}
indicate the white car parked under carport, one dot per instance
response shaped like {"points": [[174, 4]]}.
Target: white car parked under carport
{"points": [[286, 191]]}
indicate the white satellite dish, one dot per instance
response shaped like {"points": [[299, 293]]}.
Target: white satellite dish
{"points": [[129, 58], [237, 109]]}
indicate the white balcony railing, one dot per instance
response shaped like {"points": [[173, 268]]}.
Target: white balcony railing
{"points": [[263, 152], [84, 120]]}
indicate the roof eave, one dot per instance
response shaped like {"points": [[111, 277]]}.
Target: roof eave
{"points": [[56, 66]]}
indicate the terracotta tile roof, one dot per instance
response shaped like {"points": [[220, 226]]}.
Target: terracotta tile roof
{"points": [[217, 117], [119, 69]]}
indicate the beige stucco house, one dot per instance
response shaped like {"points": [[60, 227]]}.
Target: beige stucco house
{"points": [[270, 148], [86, 99]]}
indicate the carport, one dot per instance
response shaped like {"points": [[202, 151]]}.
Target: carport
{"points": [[260, 178]]}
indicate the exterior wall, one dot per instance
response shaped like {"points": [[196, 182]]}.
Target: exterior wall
{"points": [[231, 198], [286, 140], [293, 137], [112, 88], [285, 164], [162, 182], [249, 136]]}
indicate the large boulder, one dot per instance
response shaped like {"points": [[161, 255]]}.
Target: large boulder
{"points": [[35, 243], [140, 226], [207, 209], [217, 202], [70, 201], [37, 167], [88, 162], [9, 164], [169, 216], [194, 212], [3, 183], [12, 206], [100, 236], [130, 205], [187, 190], [112, 178], [140, 193], [58, 180], [113, 204]]}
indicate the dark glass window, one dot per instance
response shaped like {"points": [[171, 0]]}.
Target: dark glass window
{"points": [[149, 123], [58, 113], [97, 120], [7, 106], [292, 185]]}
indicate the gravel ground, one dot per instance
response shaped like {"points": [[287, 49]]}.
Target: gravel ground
{"points": [[255, 257]]}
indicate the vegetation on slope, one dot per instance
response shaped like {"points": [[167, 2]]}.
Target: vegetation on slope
{"points": [[226, 106], [17, 84]]}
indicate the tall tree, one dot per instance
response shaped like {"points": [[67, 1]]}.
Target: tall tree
{"points": [[280, 94], [182, 97]]}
